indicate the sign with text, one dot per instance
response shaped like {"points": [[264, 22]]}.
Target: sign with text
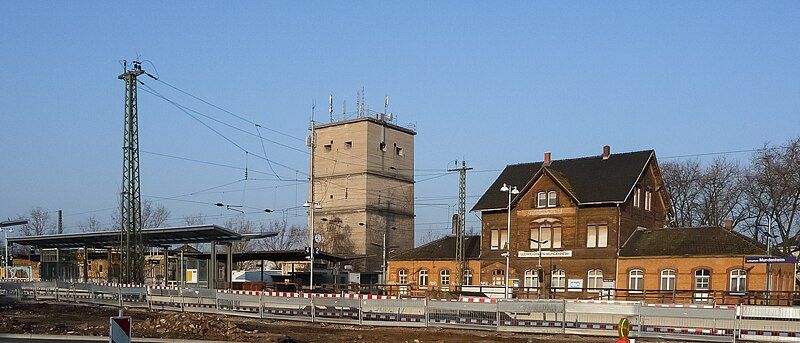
{"points": [[574, 285], [545, 253], [770, 259]]}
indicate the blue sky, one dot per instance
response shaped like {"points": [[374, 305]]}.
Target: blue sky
{"points": [[487, 82]]}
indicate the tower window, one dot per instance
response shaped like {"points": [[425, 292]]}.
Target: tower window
{"points": [[348, 145], [328, 147], [398, 151]]}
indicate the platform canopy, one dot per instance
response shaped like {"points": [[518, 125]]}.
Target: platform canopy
{"points": [[151, 237]]}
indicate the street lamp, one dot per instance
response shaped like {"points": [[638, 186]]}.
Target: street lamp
{"points": [[316, 206], [511, 191], [3, 224]]}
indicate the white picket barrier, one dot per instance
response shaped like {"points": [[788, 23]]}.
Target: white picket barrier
{"points": [[287, 306], [334, 308], [540, 316], [706, 323], [239, 303], [769, 323], [199, 300], [598, 317], [463, 314], [389, 311], [165, 298]]}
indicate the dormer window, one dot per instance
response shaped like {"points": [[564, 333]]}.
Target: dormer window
{"points": [[551, 199], [541, 201]]}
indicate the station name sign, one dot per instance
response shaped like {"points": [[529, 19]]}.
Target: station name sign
{"points": [[545, 253], [770, 259]]}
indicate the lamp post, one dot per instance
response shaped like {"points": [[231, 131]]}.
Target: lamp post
{"points": [[3, 224], [384, 247], [313, 238], [511, 191]]}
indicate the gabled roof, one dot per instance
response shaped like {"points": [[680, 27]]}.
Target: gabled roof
{"points": [[589, 180], [690, 241], [443, 249]]}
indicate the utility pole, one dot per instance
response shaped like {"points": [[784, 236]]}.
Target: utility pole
{"points": [[312, 204], [131, 245], [462, 213]]}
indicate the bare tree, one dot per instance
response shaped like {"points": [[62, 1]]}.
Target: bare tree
{"points": [[91, 225], [774, 191], [721, 193], [194, 219], [430, 236], [288, 238], [337, 238], [153, 215], [39, 223], [240, 224], [683, 183]]}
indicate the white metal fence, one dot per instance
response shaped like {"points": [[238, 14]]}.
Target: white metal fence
{"points": [[707, 323]]}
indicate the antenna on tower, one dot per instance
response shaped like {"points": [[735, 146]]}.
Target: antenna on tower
{"points": [[330, 106], [386, 106]]}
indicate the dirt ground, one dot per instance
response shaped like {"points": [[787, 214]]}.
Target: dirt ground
{"points": [[69, 319]]}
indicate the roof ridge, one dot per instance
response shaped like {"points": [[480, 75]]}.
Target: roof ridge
{"points": [[583, 157]]}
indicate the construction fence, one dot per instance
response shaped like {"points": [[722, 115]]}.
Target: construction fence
{"points": [[707, 323]]}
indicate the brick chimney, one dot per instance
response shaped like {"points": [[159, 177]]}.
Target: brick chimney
{"points": [[546, 159], [729, 224], [606, 152]]}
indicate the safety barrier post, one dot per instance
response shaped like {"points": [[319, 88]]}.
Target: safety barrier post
{"points": [[640, 320], [180, 293], [313, 308], [563, 315], [737, 317], [427, 312], [216, 300], [361, 311], [497, 312], [119, 295], [261, 304]]}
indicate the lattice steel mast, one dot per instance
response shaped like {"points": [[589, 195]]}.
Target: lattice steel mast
{"points": [[131, 245], [461, 261]]}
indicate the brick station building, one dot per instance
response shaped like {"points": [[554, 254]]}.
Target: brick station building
{"points": [[581, 209], [432, 266], [698, 264]]}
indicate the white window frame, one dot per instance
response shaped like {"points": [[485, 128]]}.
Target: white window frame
{"points": [[402, 276], [498, 277], [467, 276], [636, 280], [594, 280], [444, 277], [702, 276], [637, 197], [668, 280], [737, 281], [552, 233], [558, 279], [499, 238], [597, 235], [552, 199], [541, 200], [648, 199], [422, 275], [531, 279]]}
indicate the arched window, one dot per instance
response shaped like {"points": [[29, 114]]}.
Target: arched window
{"points": [[444, 277], [423, 277], [594, 280], [467, 276], [558, 279], [549, 234], [402, 277], [551, 199], [531, 279], [702, 279], [667, 280], [738, 281], [636, 280], [498, 277]]}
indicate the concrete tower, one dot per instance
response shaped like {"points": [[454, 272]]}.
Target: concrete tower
{"points": [[364, 182]]}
